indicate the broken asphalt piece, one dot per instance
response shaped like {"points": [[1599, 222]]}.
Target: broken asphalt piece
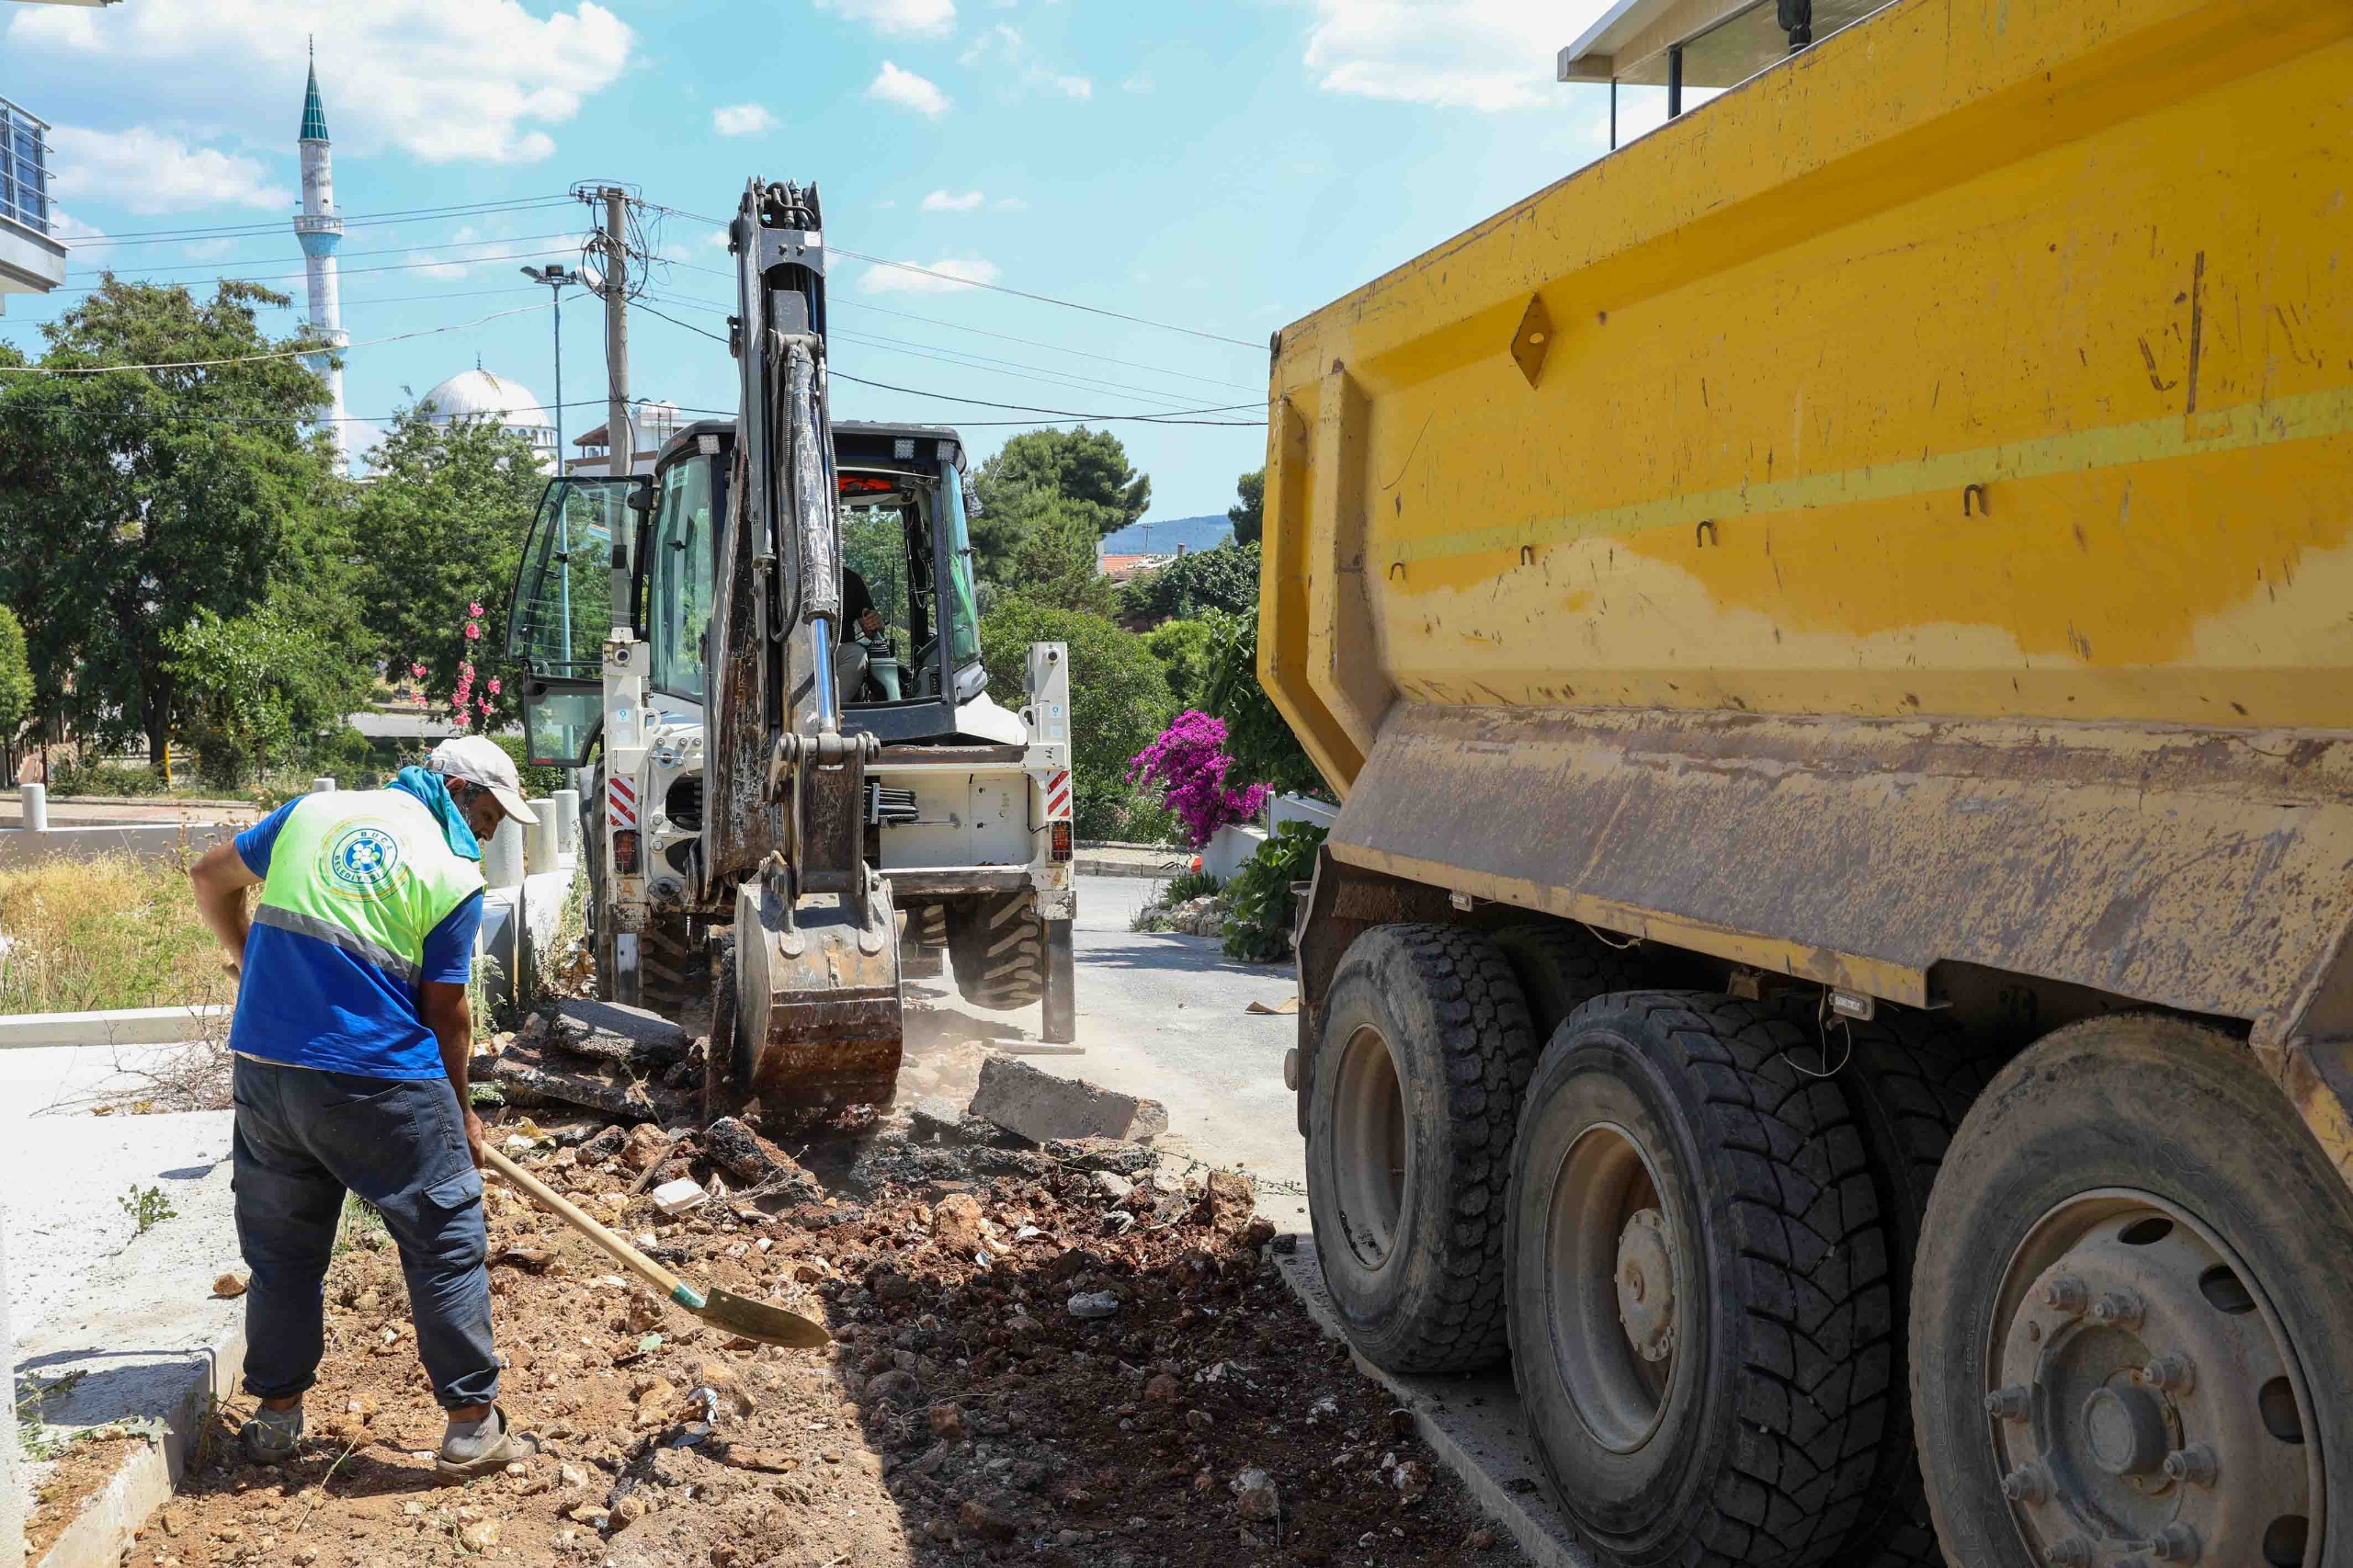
{"points": [[612, 1032], [606, 1145], [1113, 1154], [680, 1197], [750, 1160], [1040, 1107], [1089, 1305], [583, 1080]]}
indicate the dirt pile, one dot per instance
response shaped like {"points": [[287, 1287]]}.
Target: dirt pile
{"points": [[1057, 1356]]}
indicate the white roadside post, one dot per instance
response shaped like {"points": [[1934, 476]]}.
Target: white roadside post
{"points": [[502, 872], [539, 839], [33, 806], [322, 786], [567, 822]]}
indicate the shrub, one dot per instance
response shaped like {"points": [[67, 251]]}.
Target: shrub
{"points": [[1260, 906], [1188, 761], [1119, 701], [102, 776], [1183, 649], [1257, 736]]}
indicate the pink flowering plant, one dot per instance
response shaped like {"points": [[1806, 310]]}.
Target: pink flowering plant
{"points": [[1189, 764], [469, 704]]}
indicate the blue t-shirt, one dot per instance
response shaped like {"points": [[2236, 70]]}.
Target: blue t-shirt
{"points": [[311, 1003]]}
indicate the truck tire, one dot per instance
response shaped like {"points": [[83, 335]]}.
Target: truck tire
{"points": [[1701, 1323], [1909, 1078], [1561, 968], [2131, 1192], [998, 946], [1409, 1124]]}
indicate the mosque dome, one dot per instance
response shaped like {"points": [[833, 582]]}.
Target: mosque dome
{"points": [[483, 394]]}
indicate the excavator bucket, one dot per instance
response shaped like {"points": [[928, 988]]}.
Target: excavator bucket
{"points": [[817, 1016]]}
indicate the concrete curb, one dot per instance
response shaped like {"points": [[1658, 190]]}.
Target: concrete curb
{"points": [[85, 840], [120, 1025], [154, 1345], [1098, 865], [1473, 1424]]}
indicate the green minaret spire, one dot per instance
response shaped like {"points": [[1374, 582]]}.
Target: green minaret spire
{"points": [[314, 114]]}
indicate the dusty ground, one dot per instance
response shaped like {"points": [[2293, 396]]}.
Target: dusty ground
{"points": [[963, 1413]]}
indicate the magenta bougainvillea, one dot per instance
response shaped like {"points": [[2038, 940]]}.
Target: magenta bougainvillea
{"points": [[1188, 762]]}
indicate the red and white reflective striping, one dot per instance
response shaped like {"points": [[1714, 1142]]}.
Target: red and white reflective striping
{"points": [[621, 802], [1058, 796]]}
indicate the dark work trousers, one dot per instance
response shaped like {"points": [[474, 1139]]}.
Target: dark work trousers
{"points": [[304, 1138]]}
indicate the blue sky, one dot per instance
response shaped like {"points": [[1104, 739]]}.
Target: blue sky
{"points": [[1223, 164]]}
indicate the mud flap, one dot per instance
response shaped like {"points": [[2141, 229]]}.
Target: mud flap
{"points": [[817, 1013]]}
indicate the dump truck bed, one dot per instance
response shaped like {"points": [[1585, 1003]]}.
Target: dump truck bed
{"points": [[1888, 525]]}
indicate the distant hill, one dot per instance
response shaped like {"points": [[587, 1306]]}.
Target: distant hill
{"points": [[1161, 536]]}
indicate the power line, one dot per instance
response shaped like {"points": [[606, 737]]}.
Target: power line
{"points": [[274, 354], [347, 272], [350, 220], [215, 269], [972, 283], [1015, 368]]}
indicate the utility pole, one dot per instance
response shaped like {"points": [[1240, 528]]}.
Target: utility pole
{"points": [[617, 431]]}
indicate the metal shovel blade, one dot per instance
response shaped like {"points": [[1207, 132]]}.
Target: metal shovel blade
{"points": [[763, 1321]]}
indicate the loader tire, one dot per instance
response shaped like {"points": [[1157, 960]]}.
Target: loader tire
{"points": [[1702, 1320], [1909, 1078], [1416, 1088], [673, 968], [1561, 968], [997, 945]]}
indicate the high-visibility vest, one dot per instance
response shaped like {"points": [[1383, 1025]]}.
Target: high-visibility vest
{"points": [[368, 871]]}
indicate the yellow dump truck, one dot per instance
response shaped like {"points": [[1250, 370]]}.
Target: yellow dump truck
{"points": [[1833, 627]]}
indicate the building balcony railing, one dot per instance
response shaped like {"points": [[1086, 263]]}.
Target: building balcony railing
{"points": [[24, 168]]}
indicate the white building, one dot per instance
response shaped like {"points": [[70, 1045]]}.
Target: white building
{"points": [[482, 394]]}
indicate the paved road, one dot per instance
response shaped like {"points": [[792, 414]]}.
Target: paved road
{"points": [[1166, 1016]]}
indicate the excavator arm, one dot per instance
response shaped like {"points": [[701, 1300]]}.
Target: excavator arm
{"points": [[815, 993]]}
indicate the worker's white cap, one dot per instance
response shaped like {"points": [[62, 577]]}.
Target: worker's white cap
{"points": [[478, 759]]}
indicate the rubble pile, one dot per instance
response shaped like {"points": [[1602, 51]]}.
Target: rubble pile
{"points": [[1053, 1352]]}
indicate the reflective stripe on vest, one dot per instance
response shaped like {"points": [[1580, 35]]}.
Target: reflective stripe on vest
{"points": [[368, 871]]}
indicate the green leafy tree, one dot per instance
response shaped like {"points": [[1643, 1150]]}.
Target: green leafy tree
{"points": [[1086, 471], [442, 523], [1057, 562], [1256, 735], [1248, 516], [1183, 649], [1119, 701], [264, 687], [15, 675], [1224, 579], [132, 501]]}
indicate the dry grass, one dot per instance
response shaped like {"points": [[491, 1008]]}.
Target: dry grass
{"points": [[111, 932]]}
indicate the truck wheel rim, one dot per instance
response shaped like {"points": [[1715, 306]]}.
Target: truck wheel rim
{"points": [[1616, 1300], [1372, 1146], [2144, 1401]]}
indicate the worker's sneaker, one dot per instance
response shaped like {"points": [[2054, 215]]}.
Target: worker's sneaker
{"points": [[272, 1436], [482, 1448]]}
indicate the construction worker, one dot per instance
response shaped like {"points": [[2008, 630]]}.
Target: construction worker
{"points": [[351, 1038]]}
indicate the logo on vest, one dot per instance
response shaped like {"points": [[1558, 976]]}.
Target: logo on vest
{"points": [[363, 859]]}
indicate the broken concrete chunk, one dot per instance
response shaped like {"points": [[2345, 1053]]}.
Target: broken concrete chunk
{"points": [[229, 1285], [604, 1145], [956, 1223], [583, 1080], [1040, 1107], [1091, 1304], [1254, 1496], [676, 1197]]}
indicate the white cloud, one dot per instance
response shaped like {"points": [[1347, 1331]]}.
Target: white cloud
{"points": [[90, 245], [879, 280], [147, 173], [1010, 204], [1002, 51], [945, 201], [907, 91], [1482, 54], [1139, 83], [439, 80], [907, 17], [742, 119]]}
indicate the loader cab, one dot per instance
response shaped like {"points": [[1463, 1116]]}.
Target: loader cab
{"points": [[903, 499]]}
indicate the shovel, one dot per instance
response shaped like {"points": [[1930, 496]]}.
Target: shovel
{"points": [[762, 1320]]}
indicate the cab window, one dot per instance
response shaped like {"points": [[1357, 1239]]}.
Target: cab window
{"points": [[679, 599]]}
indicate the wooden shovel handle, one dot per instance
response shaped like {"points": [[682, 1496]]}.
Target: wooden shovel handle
{"points": [[564, 1209]]}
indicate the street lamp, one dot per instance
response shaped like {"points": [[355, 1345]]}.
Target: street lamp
{"points": [[558, 278]]}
